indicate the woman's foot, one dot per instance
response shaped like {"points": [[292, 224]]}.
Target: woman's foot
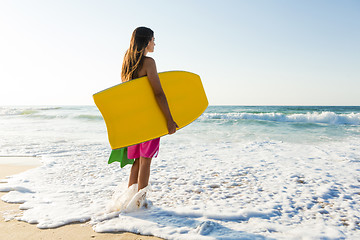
{"points": [[120, 200], [138, 201]]}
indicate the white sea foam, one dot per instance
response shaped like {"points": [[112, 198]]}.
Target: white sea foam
{"points": [[208, 182], [315, 117]]}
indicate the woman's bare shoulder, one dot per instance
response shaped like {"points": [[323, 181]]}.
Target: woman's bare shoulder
{"points": [[149, 61], [146, 58], [149, 65]]}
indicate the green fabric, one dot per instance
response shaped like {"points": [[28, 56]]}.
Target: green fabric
{"points": [[120, 155]]}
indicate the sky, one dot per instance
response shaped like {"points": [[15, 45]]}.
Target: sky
{"points": [[270, 52]]}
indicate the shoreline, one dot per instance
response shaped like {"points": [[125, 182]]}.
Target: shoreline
{"points": [[17, 230]]}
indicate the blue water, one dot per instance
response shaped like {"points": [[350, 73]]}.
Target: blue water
{"points": [[286, 123], [34, 129], [248, 169]]}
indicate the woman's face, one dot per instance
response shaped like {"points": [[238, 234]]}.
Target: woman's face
{"points": [[151, 45]]}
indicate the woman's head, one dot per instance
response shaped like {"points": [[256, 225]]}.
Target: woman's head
{"points": [[141, 38], [142, 41]]}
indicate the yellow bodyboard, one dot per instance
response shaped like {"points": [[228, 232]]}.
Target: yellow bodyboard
{"points": [[132, 114]]}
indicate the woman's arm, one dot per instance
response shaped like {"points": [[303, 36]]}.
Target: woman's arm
{"points": [[151, 72]]}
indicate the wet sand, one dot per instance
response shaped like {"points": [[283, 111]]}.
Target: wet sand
{"points": [[16, 230]]}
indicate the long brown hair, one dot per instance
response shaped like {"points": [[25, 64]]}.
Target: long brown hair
{"points": [[134, 56]]}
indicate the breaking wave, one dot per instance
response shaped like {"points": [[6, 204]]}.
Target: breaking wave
{"points": [[315, 117]]}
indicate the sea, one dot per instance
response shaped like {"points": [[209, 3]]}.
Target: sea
{"points": [[237, 172]]}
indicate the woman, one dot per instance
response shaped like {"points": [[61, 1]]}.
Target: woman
{"points": [[136, 64]]}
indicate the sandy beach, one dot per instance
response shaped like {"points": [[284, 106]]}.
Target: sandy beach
{"points": [[16, 230]]}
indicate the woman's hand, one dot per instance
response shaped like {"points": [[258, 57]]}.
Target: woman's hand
{"points": [[171, 125]]}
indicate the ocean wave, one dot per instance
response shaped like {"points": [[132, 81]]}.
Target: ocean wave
{"points": [[84, 117], [89, 117], [315, 117], [14, 111], [48, 113], [27, 112]]}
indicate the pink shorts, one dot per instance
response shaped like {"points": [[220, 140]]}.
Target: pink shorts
{"points": [[147, 149]]}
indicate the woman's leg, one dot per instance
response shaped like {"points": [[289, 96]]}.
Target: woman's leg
{"points": [[134, 173], [144, 172]]}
